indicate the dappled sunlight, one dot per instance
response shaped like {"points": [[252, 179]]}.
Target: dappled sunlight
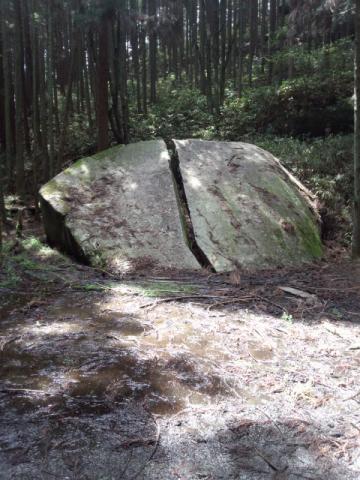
{"points": [[107, 220], [164, 157], [179, 309], [56, 328], [120, 263], [194, 182], [180, 347], [33, 246], [200, 369]]}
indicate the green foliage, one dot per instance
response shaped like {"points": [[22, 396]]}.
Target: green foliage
{"points": [[314, 102], [80, 137], [93, 287], [27, 263], [9, 277], [181, 112], [157, 289], [287, 317], [324, 62], [304, 106], [20, 258]]}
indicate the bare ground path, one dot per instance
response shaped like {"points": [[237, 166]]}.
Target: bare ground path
{"points": [[181, 376]]}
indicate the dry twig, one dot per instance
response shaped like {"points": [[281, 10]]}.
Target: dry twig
{"points": [[174, 299]]}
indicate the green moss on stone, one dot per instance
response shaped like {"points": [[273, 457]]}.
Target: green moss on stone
{"points": [[306, 224], [50, 187], [55, 192], [310, 236]]}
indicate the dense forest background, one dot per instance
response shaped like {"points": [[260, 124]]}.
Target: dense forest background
{"points": [[79, 75]]}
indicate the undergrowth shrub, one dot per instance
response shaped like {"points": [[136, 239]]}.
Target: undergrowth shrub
{"points": [[180, 112], [305, 106]]}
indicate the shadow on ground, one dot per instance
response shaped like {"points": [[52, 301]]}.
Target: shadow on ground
{"points": [[181, 376], [115, 385]]}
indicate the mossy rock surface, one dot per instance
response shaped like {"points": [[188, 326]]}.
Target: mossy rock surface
{"points": [[246, 209], [118, 210]]}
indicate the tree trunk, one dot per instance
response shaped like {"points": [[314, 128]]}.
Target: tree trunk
{"points": [[264, 6], [9, 134], [134, 39], [102, 68], [272, 31], [50, 89], [356, 220], [153, 49], [19, 103], [253, 37]]}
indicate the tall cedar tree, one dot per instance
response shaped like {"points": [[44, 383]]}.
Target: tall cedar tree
{"points": [[356, 222]]}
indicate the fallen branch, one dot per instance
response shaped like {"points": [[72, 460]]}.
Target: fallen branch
{"points": [[231, 301], [272, 421], [174, 299], [280, 307], [270, 464], [352, 397]]}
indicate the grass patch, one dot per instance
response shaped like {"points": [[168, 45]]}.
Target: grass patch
{"points": [[29, 255], [161, 289], [9, 278]]}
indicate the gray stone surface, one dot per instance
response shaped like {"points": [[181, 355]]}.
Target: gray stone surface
{"points": [[246, 209], [117, 209]]}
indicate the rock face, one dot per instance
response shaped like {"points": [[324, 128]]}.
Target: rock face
{"points": [[118, 209], [246, 209], [233, 205]]}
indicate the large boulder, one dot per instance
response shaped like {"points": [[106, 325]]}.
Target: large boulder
{"points": [[233, 205], [118, 210], [246, 210]]}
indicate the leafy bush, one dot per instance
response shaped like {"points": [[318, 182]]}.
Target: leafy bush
{"points": [[325, 62], [181, 112], [80, 140], [304, 106]]}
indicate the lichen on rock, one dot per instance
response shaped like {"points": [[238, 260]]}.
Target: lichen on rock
{"points": [[118, 210], [246, 209], [221, 205]]}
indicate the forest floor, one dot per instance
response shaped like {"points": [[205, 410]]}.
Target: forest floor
{"points": [[177, 376]]}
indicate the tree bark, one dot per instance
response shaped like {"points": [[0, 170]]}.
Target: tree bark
{"points": [[19, 103], [272, 30], [102, 103], [356, 219], [9, 134], [153, 49]]}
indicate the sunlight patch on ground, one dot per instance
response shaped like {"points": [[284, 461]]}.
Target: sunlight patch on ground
{"points": [[54, 328], [206, 374]]}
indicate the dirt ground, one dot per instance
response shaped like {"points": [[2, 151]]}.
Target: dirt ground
{"points": [[180, 376]]}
